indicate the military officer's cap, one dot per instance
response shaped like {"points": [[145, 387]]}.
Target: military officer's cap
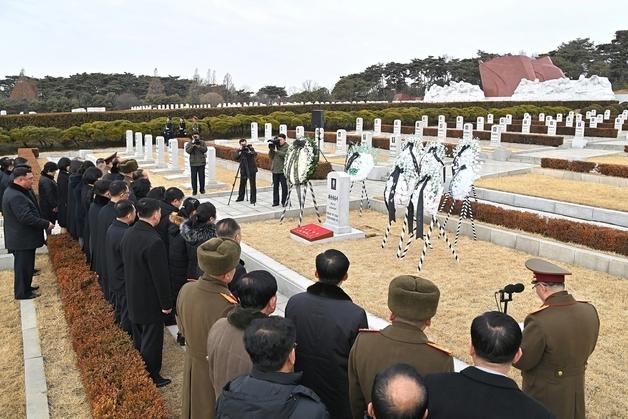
{"points": [[545, 271], [413, 298], [110, 158]]}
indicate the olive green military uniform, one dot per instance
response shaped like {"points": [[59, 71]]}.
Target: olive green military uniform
{"points": [[557, 341], [278, 158], [374, 351]]}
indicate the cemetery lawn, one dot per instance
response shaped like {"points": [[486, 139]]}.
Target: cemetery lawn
{"points": [[467, 290], [612, 159], [586, 193], [66, 396], [12, 399]]}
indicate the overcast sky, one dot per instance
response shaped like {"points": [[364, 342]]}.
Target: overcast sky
{"points": [[281, 42]]}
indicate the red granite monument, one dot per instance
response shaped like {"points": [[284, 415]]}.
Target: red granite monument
{"points": [[501, 75]]}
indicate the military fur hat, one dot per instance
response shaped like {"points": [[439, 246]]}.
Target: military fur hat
{"points": [[128, 166], [413, 298], [218, 256]]}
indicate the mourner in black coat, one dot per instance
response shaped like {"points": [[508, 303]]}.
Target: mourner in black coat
{"points": [[74, 183], [101, 189], [48, 193], [147, 285], [90, 177], [484, 391], [62, 188], [125, 216], [196, 231], [23, 230], [173, 198], [246, 155], [327, 324]]}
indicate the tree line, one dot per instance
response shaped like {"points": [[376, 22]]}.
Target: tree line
{"points": [[377, 82]]}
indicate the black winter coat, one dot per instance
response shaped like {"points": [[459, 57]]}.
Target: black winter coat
{"points": [[5, 180], [23, 224], [269, 395], [164, 222], [145, 274], [194, 236], [113, 250], [48, 197], [92, 220], [62, 188], [74, 183], [177, 255], [87, 195], [327, 324], [106, 215], [473, 393], [248, 165]]}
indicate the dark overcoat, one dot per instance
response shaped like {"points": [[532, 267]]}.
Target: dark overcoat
{"points": [[62, 188], [48, 197], [23, 224]]}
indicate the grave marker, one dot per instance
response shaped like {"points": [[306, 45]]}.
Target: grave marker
{"points": [[283, 129], [139, 147], [425, 119], [551, 128], [467, 132], [459, 122], [441, 118], [479, 124], [502, 124], [619, 123], [393, 144], [173, 150], [161, 149], [397, 126], [377, 126], [559, 117], [359, 124], [367, 138], [148, 147], [418, 128], [300, 132], [496, 136], [579, 141], [525, 125], [129, 142], [569, 121], [337, 211], [490, 119], [186, 160], [509, 119], [442, 131], [254, 131], [542, 117], [341, 141], [268, 131], [593, 123]]}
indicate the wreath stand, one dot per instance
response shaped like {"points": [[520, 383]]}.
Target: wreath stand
{"points": [[363, 195], [465, 212], [302, 195]]}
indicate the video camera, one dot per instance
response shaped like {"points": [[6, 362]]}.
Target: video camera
{"points": [[274, 141]]}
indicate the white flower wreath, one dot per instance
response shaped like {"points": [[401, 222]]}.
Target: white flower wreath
{"points": [[431, 164], [466, 168], [363, 164], [301, 161]]}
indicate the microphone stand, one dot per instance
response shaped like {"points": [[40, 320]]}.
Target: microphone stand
{"points": [[504, 297]]}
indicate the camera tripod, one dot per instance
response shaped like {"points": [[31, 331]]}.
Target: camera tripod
{"points": [[235, 179]]}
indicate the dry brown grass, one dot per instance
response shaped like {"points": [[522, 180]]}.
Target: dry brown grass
{"points": [[172, 367], [621, 159], [587, 193], [66, 396], [466, 290], [12, 400]]}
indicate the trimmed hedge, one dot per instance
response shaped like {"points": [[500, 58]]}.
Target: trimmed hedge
{"points": [[263, 161], [606, 169], [67, 119], [592, 236]]}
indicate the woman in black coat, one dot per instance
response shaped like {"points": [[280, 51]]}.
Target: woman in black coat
{"points": [[74, 182], [48, 193], [91, 175], [62, 189], [196, 231]]}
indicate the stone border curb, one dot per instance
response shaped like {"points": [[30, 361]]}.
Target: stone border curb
{"points": [[290, 283], [35, 387], [582, 177]]}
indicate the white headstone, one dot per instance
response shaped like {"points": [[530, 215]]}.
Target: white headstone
{"points": [[186, 160], [551, 128], [588, 115], [148, 147], [619, 123], [283, 129], [600, 119], [542, 117], [377, 126], [425, 120], [441, 118], [139, 146], [569, 121], [359, 125], [254, 131], [161, 151], [502, 124], [579, 117], [393, 143], [479, 123], [625, 114], [508, 119], [467, 132], [525, 125], [129, 142], [548, 118], [367, 138], [526, 115], [210, 166], [418, 128], [593, 123], [459, 122], [579, 141], [319, 134], [341, 141], [3, 112], [337, 212], [496, 136], [442, 131], [572, 114], [559, 117], [593, 112], [173, 150], [268, 131], [300, 132], [397, 126], [490, 119]]}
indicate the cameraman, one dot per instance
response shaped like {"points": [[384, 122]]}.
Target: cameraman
{"points": [[248, 167], [197, 150], [278, 148]]}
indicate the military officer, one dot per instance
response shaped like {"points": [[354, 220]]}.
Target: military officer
{"points": [[558, 339], [412, 302]]}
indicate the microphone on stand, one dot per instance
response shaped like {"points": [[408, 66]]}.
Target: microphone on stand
{"points": [[505, 295]]}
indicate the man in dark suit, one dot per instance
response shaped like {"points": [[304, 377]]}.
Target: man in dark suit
{"points": [[327, 323], [23, 230], [484, 390], [147, 285], [125, 216], [558, 339], [248, 168], [173, 198]]}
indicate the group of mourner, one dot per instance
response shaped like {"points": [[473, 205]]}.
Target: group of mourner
{"points": [[163, 259]]}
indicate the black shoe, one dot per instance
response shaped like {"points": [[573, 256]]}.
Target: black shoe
{"points": [[161, 381], [275, 205], [36, 287], [239, 199], [252, 202], [36, 272], [193, 193], [28, 296], [203, 192], [180, 339]]}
